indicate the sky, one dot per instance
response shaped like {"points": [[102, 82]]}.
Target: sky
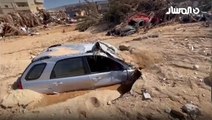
{"points": [[56, 3]]}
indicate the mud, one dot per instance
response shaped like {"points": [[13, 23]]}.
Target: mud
{"points": [[170, 86], [141, 58], [62, 97]]}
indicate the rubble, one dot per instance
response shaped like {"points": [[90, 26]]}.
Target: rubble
{"points": [[122, 30], [192, 110], [21, 23], [145, 18]]}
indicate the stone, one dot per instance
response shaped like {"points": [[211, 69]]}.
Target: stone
{"points": [[172, 39], [177, 114], [192, 110], [154, 36], [109, 103], [124, 47], [140, 38], [137, 39], [32, 57], [196, 67], [191, 47], [35, 111], [147, 96], [201, 80], [168, 110], [64, 31]]}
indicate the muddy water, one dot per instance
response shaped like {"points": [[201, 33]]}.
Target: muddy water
{"points": [[54, 99]]}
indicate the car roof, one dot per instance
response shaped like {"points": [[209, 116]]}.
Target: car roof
{"points": [[58, 52]]}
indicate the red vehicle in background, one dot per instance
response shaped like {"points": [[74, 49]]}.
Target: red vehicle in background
{"points": [[142, 19]]}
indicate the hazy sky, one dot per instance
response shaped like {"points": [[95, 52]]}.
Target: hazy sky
{"points": [[56, 3]]}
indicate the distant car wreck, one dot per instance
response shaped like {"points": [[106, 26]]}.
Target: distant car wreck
{"points": [[64, 68], [133, 23]]}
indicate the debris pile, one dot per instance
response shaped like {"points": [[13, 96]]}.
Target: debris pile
{"points": [[145, 16], [24, 23], [19, 23]]}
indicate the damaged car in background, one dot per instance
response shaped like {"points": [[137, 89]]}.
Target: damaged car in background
{"points": [[63, 68]]}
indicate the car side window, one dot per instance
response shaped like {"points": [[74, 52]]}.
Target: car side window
{"points": [[103, 64], [68, 68], [35, 72]]}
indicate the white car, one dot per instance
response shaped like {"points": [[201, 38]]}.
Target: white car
{"points": [[64, 68]]}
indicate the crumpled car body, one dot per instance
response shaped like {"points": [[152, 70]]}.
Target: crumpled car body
{"points": [[63, 68], [141, 19]]}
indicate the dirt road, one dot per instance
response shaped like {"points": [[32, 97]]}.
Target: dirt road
{"points": [[176, 62]]}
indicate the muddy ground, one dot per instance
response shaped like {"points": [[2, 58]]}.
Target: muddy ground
{"points": [[175, 61]]}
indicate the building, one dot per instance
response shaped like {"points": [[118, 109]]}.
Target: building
{"points": [[78, 9], [7, 6], [103, 6]]}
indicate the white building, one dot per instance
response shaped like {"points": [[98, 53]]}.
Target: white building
{"points": [[7, 6]]}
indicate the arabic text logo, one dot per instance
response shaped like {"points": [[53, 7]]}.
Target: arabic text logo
{"points": [[184, 11]]}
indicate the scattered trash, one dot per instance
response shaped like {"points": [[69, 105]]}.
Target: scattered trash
{"points": [[146, 95], [21, 23], [122, 30], [203, 16]]}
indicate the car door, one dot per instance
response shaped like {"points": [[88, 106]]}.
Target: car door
{"points": [[70, 74], [105, 71]]}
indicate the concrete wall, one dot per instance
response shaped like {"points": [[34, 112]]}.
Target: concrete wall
{"points": [[8, 6]]}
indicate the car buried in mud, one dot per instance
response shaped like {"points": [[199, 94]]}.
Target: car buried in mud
{"points": [[63, 68]]}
